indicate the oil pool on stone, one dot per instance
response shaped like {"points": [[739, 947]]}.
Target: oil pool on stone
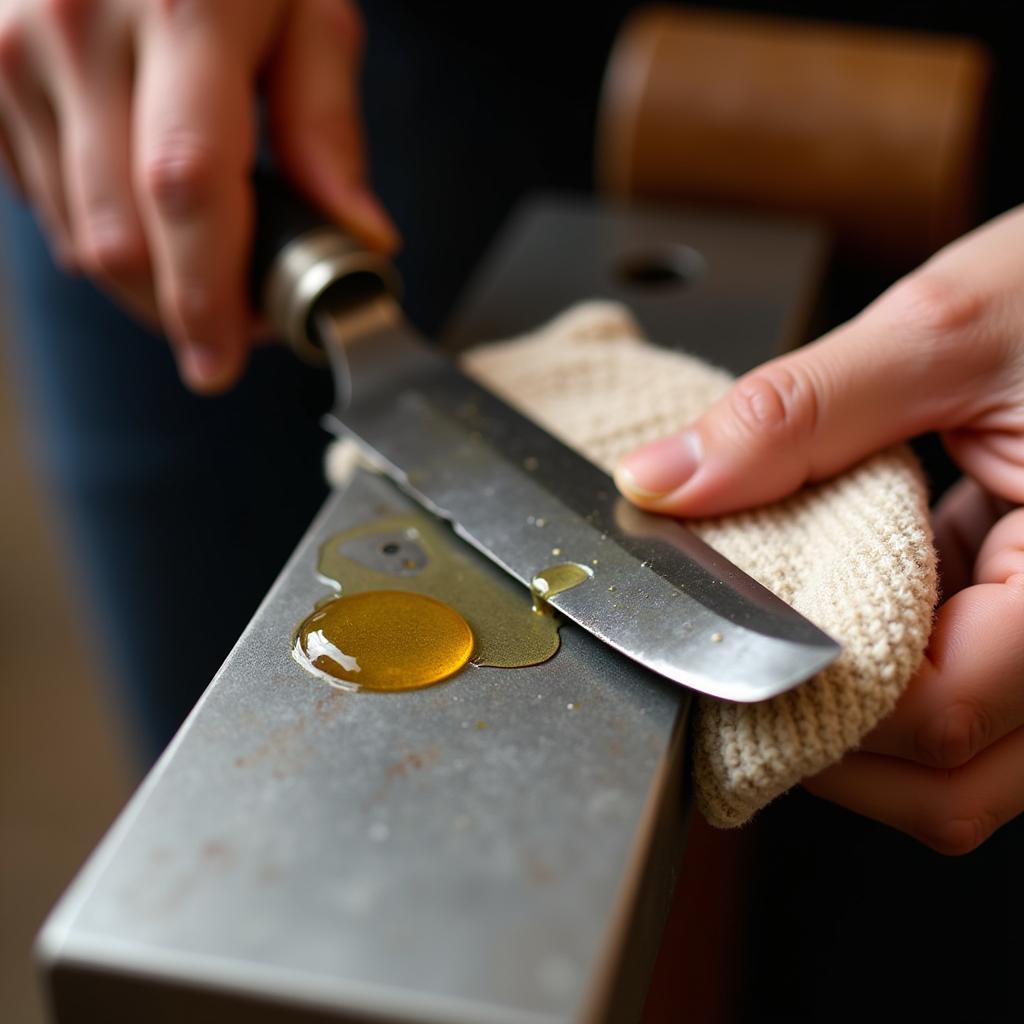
{"points": [[384, 640], [413, 609]]}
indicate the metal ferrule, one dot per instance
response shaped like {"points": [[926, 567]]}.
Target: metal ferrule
{"points": [[304, 270]]}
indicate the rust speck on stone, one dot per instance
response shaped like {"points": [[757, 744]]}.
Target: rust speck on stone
{"points": [[412, 762], [216, 852]]}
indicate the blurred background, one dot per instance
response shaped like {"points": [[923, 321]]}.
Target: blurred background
{"points": [[65, 771], [70, 752]]}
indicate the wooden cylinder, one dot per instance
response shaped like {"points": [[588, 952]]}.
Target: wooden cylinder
{"points": [[876, 133]]}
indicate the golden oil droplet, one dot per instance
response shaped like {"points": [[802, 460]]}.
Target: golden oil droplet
{"points": [[556, 579], [384, 640], [716, 638]]}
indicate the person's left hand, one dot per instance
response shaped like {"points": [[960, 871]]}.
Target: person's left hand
{"points": [[942, 350]]}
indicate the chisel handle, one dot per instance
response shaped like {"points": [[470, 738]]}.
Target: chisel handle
{"points": [[301, 260]]}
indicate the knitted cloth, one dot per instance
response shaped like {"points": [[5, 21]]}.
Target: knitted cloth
{"points": [[853, 554]]}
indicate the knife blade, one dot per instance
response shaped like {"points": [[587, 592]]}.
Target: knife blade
{"points": [[649, 587]]}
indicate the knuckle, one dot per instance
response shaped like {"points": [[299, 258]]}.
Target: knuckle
{"points": [[180, 177], [952, 738], [935, 307], [775, 400], [114, 256]]}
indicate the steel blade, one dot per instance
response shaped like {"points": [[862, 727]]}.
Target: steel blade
{"points": [[657, 592]]}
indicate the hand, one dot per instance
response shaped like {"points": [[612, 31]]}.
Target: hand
{"points": [[942, 350], [130, 126]]}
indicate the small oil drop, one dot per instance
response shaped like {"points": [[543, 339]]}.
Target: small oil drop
{"points": [[556, 579], [384, 640]]}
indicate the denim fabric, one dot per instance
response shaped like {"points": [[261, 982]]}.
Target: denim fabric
{"points": [[179, 510]]}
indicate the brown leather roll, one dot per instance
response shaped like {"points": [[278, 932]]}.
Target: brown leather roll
{"points": [[878, 133]]}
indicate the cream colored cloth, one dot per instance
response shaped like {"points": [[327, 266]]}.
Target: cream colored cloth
{"points": [[854, 554]]}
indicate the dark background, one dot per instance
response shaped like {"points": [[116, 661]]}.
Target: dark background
{"points": [[506, 97]]}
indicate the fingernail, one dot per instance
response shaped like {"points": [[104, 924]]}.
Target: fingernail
{"points": [[659, 468], [202, 366]]}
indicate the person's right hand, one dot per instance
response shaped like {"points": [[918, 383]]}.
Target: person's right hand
{"points": [[130, 127]]}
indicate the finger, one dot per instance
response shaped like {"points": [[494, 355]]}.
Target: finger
{"points": [[898, 369], [993, 455], [1001, 558], [33, 141], [953, 812], [960, 523], [193, 138], [969, 691], [314, 117], [92, 82]]}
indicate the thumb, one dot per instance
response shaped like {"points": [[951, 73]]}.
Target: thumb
{"points": [[899, 369], [314, 117]]}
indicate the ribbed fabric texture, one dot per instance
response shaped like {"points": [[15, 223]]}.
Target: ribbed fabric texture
{"points": [[854, 554]]}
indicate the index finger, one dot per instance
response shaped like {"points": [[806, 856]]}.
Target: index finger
{"points": [[193, 149]]}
